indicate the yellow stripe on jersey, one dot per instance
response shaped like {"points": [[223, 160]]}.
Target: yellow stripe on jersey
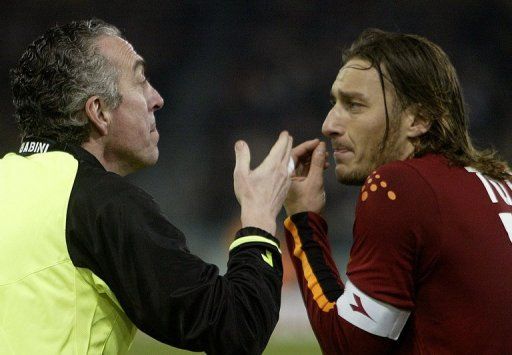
{"points": [[313, 284]]}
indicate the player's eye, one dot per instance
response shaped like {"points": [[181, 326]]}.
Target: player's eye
{"points": [[353, 105]]}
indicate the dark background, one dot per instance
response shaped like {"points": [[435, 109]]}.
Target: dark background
{"points": [[249, 69]]}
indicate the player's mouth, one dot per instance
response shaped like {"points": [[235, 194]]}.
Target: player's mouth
{"points": [[342, 153]]}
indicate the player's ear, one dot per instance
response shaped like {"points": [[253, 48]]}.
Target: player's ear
{"points": [[417, 123], [98, 114]]}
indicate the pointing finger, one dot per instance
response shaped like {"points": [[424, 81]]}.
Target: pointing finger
{"points": [[317, 160], [304, 150], [288, 160], [243, 157], [278, 151]]}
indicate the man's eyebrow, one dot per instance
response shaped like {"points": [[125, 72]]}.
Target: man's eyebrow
{"points": [[337, 93], [139, 63]]}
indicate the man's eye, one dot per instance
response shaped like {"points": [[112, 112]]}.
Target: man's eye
{"points": [[351, 105]]}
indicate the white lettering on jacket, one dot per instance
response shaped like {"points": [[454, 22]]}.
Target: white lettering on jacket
{"points": [[34, 147]]}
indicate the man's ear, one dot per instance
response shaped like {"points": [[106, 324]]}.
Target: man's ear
{"points": [[98, 115], [417, 124]]}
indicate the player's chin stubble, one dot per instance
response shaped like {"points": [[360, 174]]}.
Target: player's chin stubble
{"points": [[357, 175]]}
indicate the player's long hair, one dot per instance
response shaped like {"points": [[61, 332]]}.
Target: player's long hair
{"points": [[56, 75], [425, 80]]}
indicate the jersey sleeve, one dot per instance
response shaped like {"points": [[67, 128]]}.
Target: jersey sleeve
{"points": [[168, 292], [321, 288], [368, 313]]}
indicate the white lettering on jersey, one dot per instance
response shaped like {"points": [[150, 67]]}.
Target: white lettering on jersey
{"points": [[506, 219], [369, 314], [504, 193], [492, 187]]}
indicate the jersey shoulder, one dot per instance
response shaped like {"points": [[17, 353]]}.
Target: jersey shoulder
{"points": [[400, 195], [401, 181]]}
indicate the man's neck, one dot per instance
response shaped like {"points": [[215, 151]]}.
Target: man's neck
{"points": [[99, 152]]}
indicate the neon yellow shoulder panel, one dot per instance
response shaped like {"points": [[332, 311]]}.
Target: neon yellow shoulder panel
{"points": [[47, 305]]}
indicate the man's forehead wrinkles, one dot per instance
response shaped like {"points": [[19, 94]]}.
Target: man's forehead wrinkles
{"points": [[118, 50], [354, 75], [354, 70], [365, 66]]}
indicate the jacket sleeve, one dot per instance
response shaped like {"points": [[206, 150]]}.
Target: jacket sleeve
{"points": [[168, 292]]}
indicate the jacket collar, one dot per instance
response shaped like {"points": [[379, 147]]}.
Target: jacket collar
{"points": [[35, 145]]}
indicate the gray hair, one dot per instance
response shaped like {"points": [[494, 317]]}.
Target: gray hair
{"points": [[55, 77]]}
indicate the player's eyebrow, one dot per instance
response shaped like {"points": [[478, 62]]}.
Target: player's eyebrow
{"points": [[347, 95]]}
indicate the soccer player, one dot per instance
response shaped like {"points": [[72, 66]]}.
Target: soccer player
{"points": [[431, 262], [86, 257]]}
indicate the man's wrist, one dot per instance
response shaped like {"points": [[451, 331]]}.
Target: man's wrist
{"points": [[254, 219], [269, 227], [291, 210]]}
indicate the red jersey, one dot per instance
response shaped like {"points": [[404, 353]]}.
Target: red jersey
{"points": [[430, 267]]}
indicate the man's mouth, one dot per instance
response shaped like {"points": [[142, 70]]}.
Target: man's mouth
{"points": [[342, 152]]}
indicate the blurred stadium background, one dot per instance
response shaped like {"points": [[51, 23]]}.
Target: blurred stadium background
{"points": [[249, 69]]}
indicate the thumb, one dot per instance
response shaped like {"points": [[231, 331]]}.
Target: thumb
{"points": [[317, 160], [243, 156]]}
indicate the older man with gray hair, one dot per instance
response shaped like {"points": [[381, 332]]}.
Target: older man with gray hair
{"points": [[86, 257]]}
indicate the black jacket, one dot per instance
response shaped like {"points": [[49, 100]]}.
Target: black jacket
{"points": [[116, 230]]}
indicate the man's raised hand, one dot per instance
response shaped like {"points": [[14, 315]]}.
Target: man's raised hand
{"points": [[261, 192]]}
